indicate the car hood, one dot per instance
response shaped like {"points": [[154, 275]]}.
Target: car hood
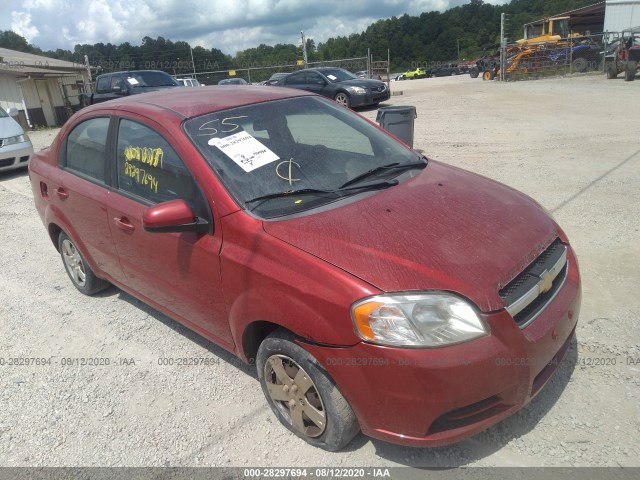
{"points": [[363, 82], [444, 229], [9, 128]]}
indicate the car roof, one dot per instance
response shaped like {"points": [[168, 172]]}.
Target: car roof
{"points": [[132, 72], [189, 102]]}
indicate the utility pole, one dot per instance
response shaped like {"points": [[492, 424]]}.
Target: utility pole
{"points": [[458, 43], [193, 64], [304, 49], [504, 23]]}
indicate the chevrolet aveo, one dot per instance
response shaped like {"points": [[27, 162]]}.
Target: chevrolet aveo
{"points": [[376, 290]]}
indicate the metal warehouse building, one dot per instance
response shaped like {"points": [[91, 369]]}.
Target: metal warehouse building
{"points": [[621, 14], [44, 90]]}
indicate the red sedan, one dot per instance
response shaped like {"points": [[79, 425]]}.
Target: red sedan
{"points": [[376, 290]]}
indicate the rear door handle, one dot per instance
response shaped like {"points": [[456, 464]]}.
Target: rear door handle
{"points": [[123, 224], [62, 193]]}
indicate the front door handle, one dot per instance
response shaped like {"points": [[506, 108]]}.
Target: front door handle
{"points": [[123, 224], [62, 193]]}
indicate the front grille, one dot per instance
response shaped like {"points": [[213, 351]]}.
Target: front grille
{"points": [[24, 159], [527, 294], [7, 162], [381, 88]]}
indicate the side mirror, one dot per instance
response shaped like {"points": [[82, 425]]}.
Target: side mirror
{"points": [[13, 111], [172, 216], [117, 90]]}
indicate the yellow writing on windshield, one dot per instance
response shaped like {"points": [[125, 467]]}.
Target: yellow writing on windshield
{"points": [[147, 155]]}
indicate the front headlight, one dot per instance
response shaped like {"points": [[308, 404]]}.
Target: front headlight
{"points": [[429, 319], [14, 140], [357, 90]]}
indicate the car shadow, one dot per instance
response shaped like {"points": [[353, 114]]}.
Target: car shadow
{"points": [[460, 454], [16, 173], [370, 108], [491, 440], [181, 329]]}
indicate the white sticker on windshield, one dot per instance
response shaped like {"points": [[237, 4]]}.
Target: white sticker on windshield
{"points": [[132, 81], [245, 150], [332, 77]]}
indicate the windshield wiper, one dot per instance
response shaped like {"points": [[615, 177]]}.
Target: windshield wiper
{"points": [[383, 168], [311, 191]]}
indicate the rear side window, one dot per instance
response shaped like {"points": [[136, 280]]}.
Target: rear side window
{"points": [[149, 167], [86, 149]]}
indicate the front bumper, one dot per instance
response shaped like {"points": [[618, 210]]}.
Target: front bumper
{"points": [[15, 156], [369, 98], [433, 397]]}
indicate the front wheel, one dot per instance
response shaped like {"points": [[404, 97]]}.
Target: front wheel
{"points": [[302, 395], [474, 72], [580, 65], [342, 98], [488, 75], [612, 70], [76, 266]]}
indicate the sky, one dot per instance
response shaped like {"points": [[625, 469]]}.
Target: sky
{"points": [[228, 25]]}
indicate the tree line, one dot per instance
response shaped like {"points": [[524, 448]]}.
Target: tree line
{"points": [[460, 33]]}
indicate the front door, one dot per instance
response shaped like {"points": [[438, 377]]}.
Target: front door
{"points": [[179, 272]]}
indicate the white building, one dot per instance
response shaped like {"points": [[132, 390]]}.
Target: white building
{"points": [[43, 89]]}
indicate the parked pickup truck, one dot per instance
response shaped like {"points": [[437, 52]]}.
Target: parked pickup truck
{"points": [[113, 85]]}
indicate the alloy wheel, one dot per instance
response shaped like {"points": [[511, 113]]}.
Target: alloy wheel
{"points": [[295, 395]]}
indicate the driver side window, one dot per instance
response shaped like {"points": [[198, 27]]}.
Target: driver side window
{"points": [[149, 167]]}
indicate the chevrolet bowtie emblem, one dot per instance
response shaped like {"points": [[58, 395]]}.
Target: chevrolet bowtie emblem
{"points": [[546, 281]]}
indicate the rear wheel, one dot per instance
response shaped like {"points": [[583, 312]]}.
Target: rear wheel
{"points": [[302, 395], [474, 72], [76, 266], [342, 98], [630, 71]]}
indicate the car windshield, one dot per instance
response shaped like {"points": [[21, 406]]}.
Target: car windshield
{"points": [[338, 74], [150, 79], [278, 158]]}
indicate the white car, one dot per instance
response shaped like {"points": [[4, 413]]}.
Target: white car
{"points": [[15, 147], [189, 82]]}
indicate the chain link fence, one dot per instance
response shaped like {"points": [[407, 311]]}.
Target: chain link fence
{"points": [[522, 61], [257, 72]]}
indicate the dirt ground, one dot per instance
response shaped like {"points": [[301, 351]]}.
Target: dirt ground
{"points": [[571, 143]]}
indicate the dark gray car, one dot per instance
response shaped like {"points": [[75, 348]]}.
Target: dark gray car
{"points": [[339, 84], [119, 84]]}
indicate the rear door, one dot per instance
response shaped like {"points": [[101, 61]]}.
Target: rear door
{"points": [[178, 272], [79, 191]]}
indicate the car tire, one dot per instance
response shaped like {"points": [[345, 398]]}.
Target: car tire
{"points": [[474, 72], [81, 275], [580, 65], [342, 98], [325, 418], [630, 71]]}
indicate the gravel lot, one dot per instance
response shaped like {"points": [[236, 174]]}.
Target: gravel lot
{"points": [[570, 143]]}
